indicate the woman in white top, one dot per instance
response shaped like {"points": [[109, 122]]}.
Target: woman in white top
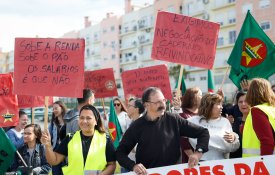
{"points": [[222, 139], [122, 115]]}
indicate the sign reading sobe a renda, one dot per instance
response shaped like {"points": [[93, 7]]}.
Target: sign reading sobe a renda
{"points": [[49, 67]]}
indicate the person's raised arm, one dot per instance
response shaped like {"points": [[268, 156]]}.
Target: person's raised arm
{"points": [[52, 157]]}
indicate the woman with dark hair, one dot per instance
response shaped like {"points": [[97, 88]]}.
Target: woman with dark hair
{"points": [[89, 150], [33, 152], [122, 115], [57, 129], [259, 127], [244, 109], [222, 139]]}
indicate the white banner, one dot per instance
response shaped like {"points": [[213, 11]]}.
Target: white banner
{"points": [[241, 166]]}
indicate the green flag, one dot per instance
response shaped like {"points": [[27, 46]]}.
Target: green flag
{"points": [[7, 151], [210, 82], [183, 86], [253, 54], [114, 126]]}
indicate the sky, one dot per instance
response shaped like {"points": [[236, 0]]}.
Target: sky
{"points": [[52, 18]]}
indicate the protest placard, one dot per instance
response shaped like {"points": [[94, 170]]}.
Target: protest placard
{"points": [[29, 101], [8, 102], [242, 166], [102, 82], [49, 67], [137, 80], [185, 40]]}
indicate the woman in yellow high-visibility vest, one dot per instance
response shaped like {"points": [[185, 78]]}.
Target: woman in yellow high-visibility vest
{"points": [[89, 150], [259, 127]]}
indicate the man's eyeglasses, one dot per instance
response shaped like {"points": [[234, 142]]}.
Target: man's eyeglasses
{"points": [[116, 104], [158, 102]]}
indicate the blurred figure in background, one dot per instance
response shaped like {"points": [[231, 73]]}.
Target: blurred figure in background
{"points": [[57, 129], [33, 152], [135, 108], [16, 133], [122, 115], [259, 127], [176, 102]]}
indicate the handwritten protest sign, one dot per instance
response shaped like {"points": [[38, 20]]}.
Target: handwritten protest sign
{"points": [[102, 82], [29, 101], [185, 40], [49, 67], [8, 102], [137, 80], [242, 166]]}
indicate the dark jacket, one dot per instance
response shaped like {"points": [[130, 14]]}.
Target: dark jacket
{"points": [[38, 159], [158, 142]]}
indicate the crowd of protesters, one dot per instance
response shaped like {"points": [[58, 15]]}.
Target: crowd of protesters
{"points": [[199, 127]]}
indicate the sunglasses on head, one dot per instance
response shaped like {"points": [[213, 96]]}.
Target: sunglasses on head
{"points": [[116, 104]]}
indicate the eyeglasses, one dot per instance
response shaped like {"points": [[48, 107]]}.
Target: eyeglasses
{"points": [[116, 104], [158, 102]]}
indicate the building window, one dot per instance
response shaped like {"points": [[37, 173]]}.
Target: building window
{"points": [[112, 28], [231, 1], [202, 78], [232, 37], [113, 56], [88, 52], [104, 44], [104, 31], [232, 20], [192, 79], [113, 44], [265, 25], [220, 41], [264, 3]]}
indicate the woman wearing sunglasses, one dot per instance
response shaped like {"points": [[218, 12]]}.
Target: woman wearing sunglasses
{"points": [[122, 115]]}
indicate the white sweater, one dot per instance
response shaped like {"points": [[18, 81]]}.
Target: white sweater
{"points": [[218, 147]]}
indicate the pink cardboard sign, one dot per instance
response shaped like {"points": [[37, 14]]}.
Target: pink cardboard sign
{"points": [[185, 40], [102, 82], [49, 67], [137, 80]]}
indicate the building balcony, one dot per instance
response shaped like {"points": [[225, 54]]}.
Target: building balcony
{"points": [[128, 60], [127, 47], [221, 4], [127, 31]]}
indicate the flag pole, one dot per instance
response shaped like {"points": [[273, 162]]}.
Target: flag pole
{"points": [[179, 81], [19, 155], [103, 105], [224, 77], [46, 113], [32, 115]]}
